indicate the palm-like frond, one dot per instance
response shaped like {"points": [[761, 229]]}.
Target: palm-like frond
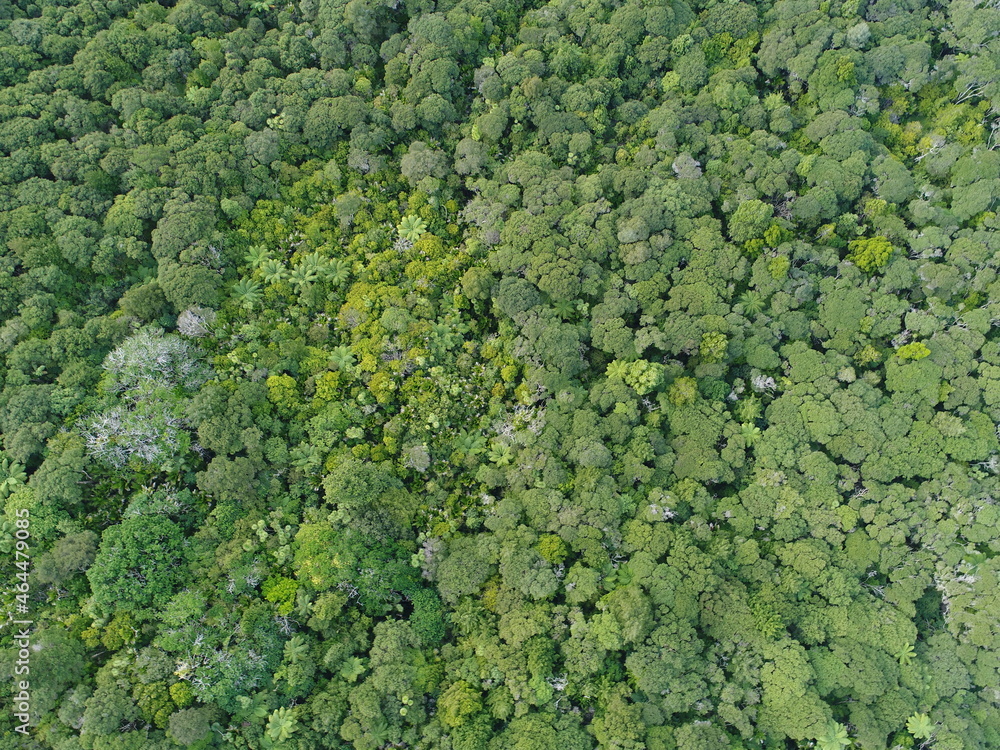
{"points": [[256, 255], [247, 292], [312, 262], [920, 726], [753, 302], [274, 271], [470, 443], [412, 227], [342, 357], [835, 737], [336, 271], [302, 276]]}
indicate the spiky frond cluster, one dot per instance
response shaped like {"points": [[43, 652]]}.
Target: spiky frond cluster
{"points": [[412, 227]]}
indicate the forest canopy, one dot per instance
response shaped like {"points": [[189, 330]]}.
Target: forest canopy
{"points": [[501, 375]]}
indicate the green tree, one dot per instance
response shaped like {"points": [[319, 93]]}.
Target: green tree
{"points": [[915, 350], [138, 564], [872, 254], [458, 703], [369, 498], [72, 554], [281, 724], [247, 292], [191, 725], [411, 228], [920, 726], [749, 220], [834, 738]]}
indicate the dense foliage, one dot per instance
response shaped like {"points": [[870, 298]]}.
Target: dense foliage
{"points": [[502, 375]]}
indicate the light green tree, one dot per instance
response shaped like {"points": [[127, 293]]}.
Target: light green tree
{"points": [[257, 255], [713, 347], [920, 726], [683, 391], [906, 654], [749, 220], [247, 292], [273, 271], [13, 476], [411, 228], [915, 350], [834, 738], [281, 724], [870, 254]]}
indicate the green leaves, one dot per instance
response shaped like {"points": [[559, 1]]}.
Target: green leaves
{"points": [[313, 263], [549, 412], [342, 358], [834, 738], [459, 702], [273, 271], [500, 453], [445, 336], [683, 391], [337, 272], [906, 654], [137, 565], [641, 375], [754, 303], [306, 457], [411, 228], [257, 255], [747, 409], [407, 701], [7, 529], [13, 477], [281, 591], [749, 220], [713, 347], [914, 351], [302, 276], [247, 293], [920, 726], [750, 433], [281, 724], [352, 668], [871, 254], [250, 708]]}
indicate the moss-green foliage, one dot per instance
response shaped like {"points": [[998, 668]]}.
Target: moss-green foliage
{"points": [[281, 591], [501, 375], [915, 350], [871, 254]]}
